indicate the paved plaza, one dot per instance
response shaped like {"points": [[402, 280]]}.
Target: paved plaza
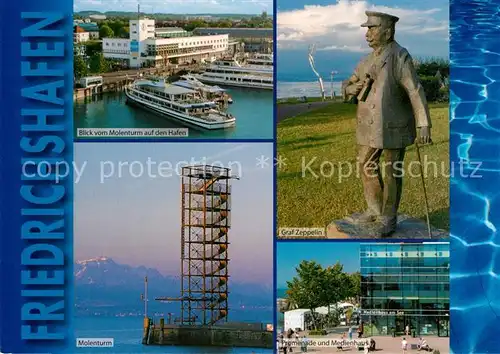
{"points": [[384, 345]]}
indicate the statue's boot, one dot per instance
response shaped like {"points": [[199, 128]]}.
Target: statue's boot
{"points": [[387, 226], [365, 217]]}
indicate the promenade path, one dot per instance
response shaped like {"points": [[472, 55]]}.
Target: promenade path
{"points": [[384, 344], [285, 110]]}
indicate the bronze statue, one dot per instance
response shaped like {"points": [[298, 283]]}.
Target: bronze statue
{"points": [[391, 109]]}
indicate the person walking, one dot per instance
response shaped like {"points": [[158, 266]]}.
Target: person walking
{"points": [[407, 330], [289, 336], [304, 344], [360, 330], [366, 348], [350, 333], [404, 346]]}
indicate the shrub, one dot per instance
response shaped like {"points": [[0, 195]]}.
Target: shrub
{"points": [[432, 88], [444, 94], [317, 332], [430, 66]]}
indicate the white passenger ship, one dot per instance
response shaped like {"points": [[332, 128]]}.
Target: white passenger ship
{"points": [[261, 59], [229, 72], [183, 104], [214, 93]]}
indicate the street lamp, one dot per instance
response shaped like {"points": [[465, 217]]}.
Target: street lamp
{"points": [[331, 81], [144, 297]]}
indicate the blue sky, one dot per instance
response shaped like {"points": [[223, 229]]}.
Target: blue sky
{"points": [[137, 221], [290, 254], [178, 6], [335, 25]]}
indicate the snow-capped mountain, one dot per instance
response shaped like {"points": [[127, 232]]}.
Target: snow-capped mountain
{"points": [[106, 272], [106, 287]]}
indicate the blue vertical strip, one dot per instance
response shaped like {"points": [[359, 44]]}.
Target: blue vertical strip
{"points": [[275, 153], [36, 156], [475, 154]]}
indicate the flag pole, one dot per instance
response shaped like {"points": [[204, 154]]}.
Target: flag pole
{"points": [[145, 296]]}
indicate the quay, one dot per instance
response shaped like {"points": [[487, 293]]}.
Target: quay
{"points": [[250, 335], [117, 81]]}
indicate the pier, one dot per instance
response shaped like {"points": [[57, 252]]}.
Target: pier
{"points": [[118, 80], [251, 335]]}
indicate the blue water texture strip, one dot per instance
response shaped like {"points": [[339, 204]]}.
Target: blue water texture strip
{"points": [[36, 115], [475, 192]]}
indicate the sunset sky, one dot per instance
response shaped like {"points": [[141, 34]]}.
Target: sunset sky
{"points": [[178, 6], [136, 221]]}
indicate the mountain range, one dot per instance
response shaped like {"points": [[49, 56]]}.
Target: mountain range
{"points": [[105, 287], [170, 15]]}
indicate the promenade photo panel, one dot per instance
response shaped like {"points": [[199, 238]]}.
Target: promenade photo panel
{"points": [[373, 297]]}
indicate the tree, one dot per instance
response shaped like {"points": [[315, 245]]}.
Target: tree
{"points": [[348, 315], [106, 32], [79, 67], [98, 64], [355, 285], [93, 47], [307, 288], [191, 25], [286, 304], [336, 285], [124, 32]]}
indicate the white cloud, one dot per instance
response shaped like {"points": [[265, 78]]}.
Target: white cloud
{"points": [[337, 26], [346, 48]]}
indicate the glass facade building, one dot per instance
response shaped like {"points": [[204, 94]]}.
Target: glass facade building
{"points": [[405, 285]]}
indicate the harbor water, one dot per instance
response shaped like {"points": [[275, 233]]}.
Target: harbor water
{"points": [[253, 110], [127, 335]]}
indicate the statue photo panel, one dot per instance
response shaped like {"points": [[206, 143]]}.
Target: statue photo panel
{"points": [[363, 121]]}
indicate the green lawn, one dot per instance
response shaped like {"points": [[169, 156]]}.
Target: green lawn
{"points": [[328, 135]]}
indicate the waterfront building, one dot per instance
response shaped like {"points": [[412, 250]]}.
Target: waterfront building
{"points": [[91, 28], [405, 285], [172, 32], [80, 35], [159, 47], [256, 40]]}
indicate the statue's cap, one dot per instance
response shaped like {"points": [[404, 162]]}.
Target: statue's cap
{"points": [[376, 19]]}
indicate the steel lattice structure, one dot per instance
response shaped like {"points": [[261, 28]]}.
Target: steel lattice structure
{"points": [[206, 220]]}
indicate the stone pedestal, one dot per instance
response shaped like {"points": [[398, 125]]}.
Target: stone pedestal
{"points": [[407, 228]]}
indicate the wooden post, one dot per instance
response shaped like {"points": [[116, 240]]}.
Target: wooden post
{"points": [[145, 334], [162, 328], [146, 296]]}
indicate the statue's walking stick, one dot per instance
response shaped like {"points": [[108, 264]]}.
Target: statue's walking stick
{"points": [[425, 190]]}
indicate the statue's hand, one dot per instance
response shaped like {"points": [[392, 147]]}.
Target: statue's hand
{"points": [[355, 88], [424, 136]]}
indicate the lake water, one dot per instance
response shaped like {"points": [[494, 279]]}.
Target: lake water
{"points": [[127, 335], [307, 89], [253, 110]]}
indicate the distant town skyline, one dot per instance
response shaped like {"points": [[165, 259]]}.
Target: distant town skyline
{"points": [[180, 7], [137, 221]]}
